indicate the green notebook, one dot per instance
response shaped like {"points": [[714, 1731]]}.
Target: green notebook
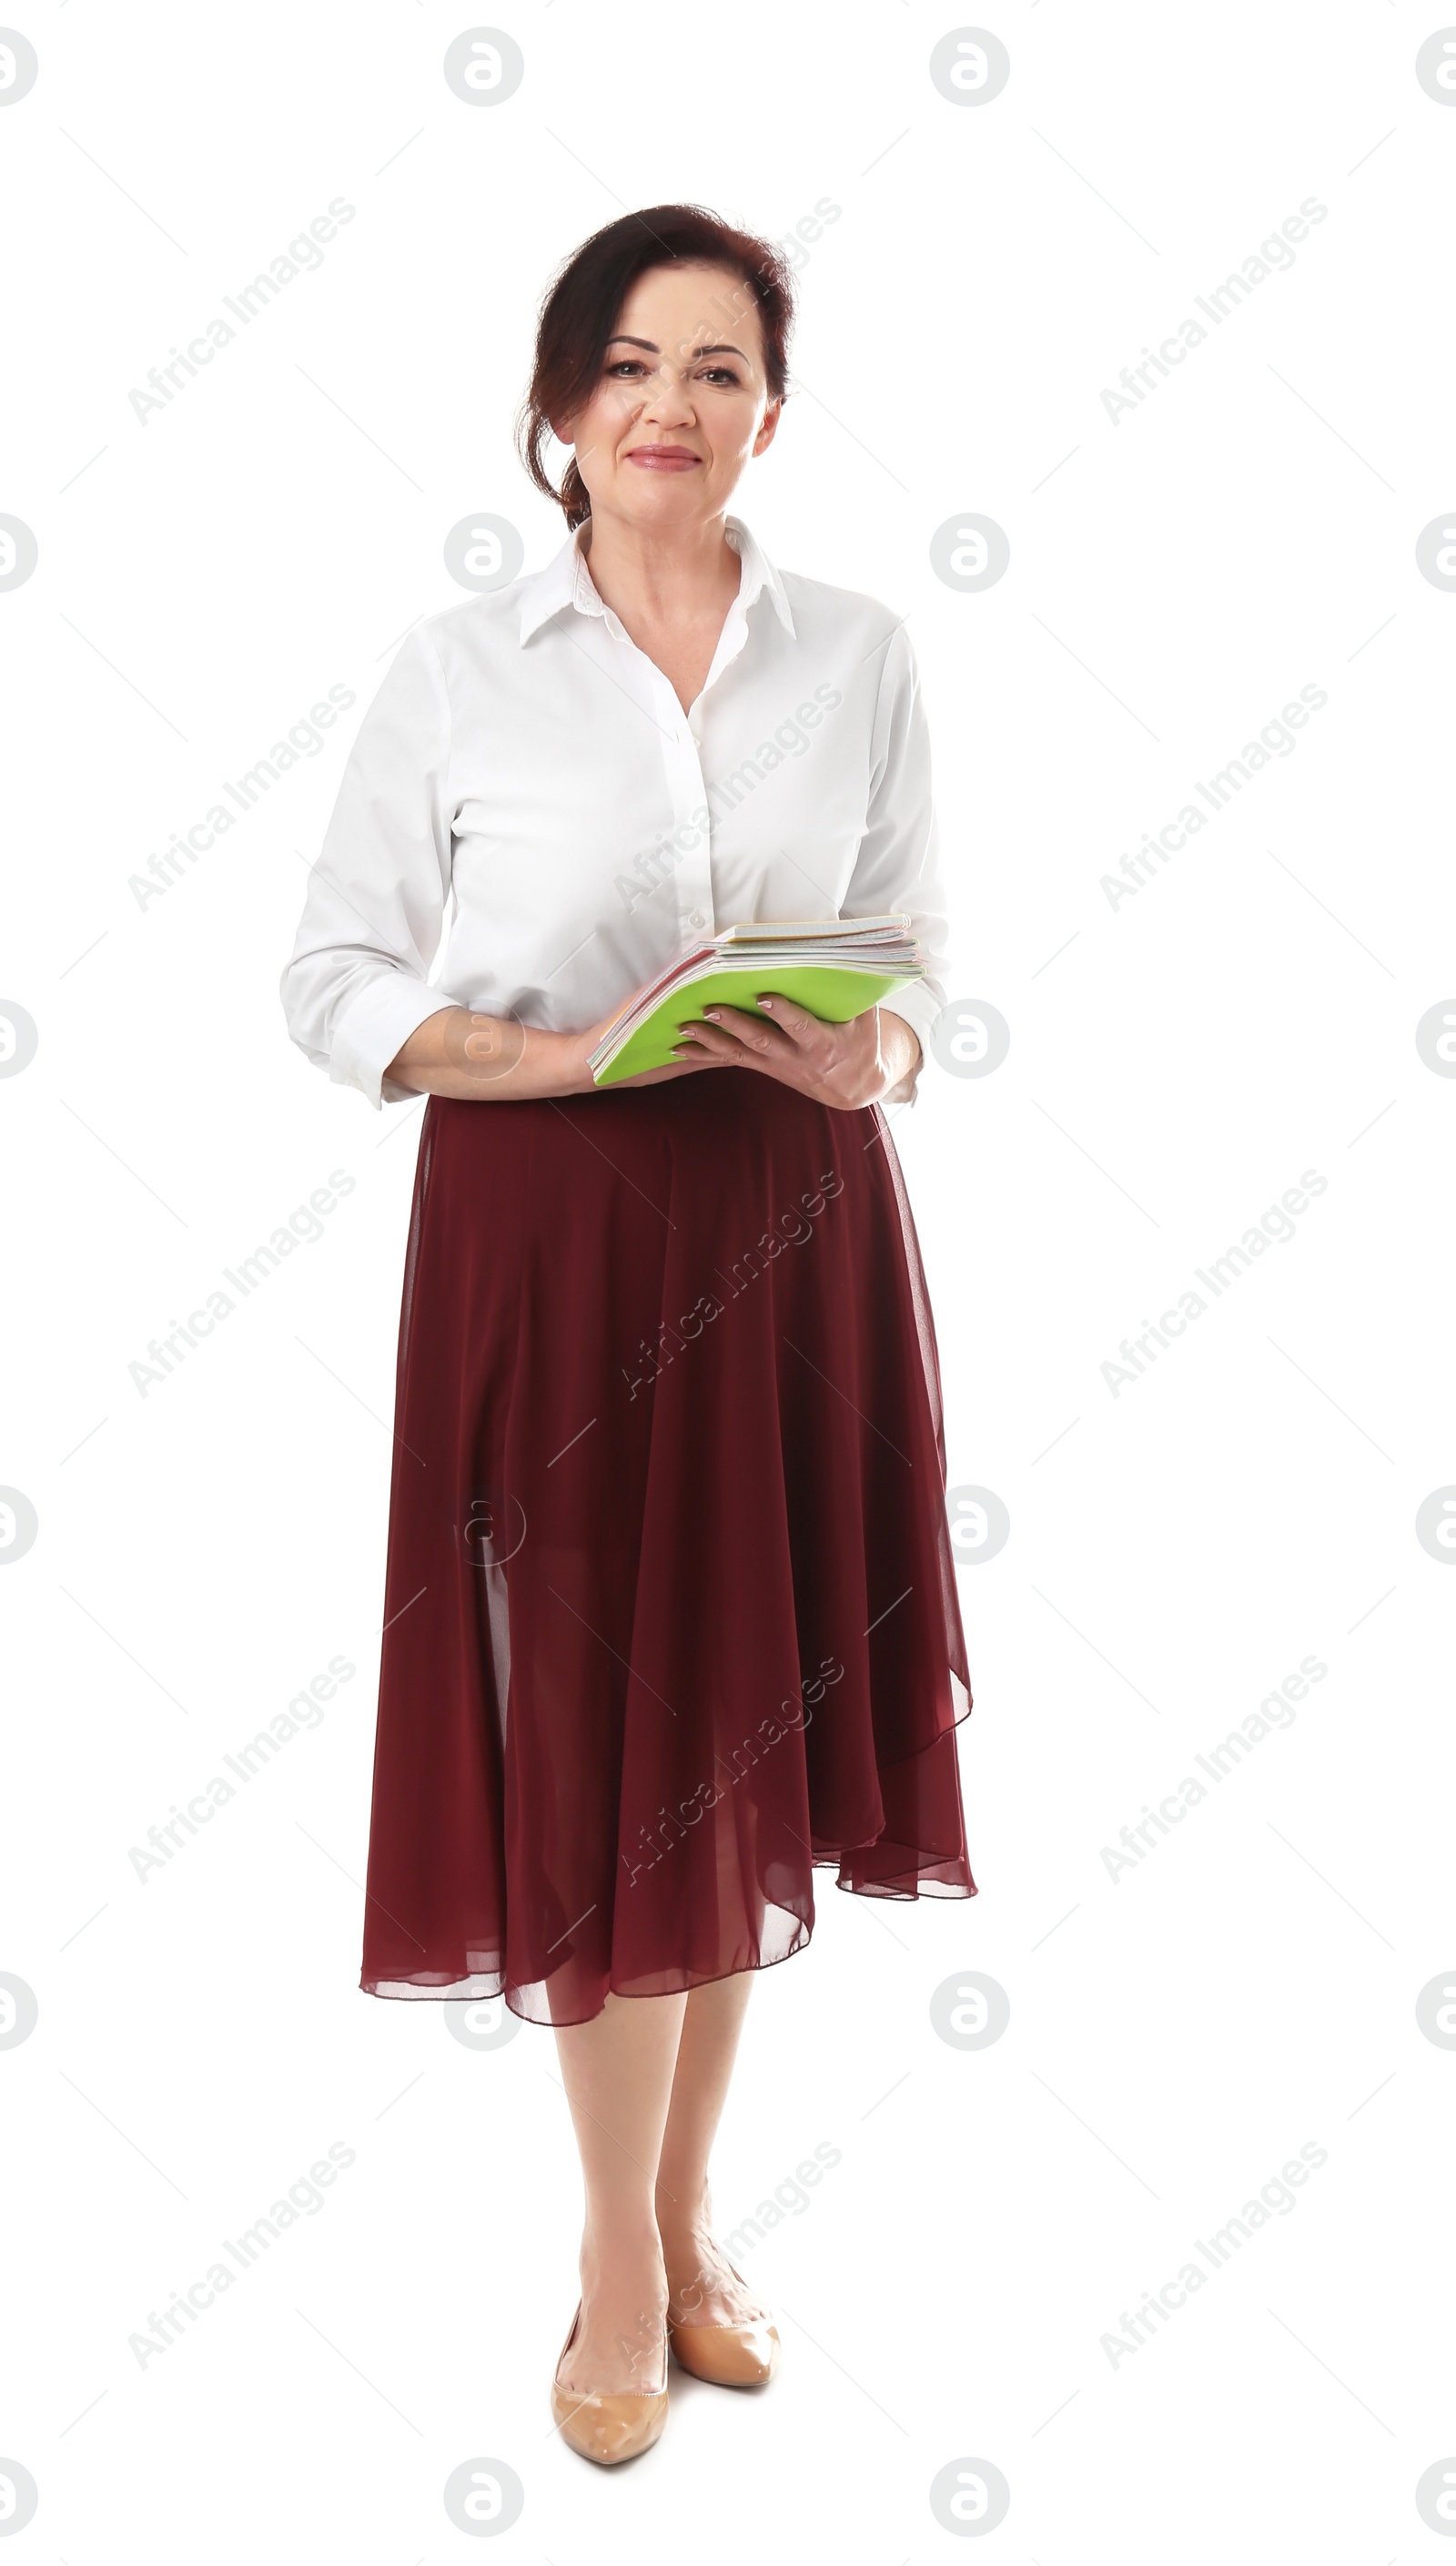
{"points": [[837, 968]]}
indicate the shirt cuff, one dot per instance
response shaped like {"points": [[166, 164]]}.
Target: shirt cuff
{"points": [[919, 1006], [375, 1026]]}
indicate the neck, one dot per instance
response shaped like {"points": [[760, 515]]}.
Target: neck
{"points": [[662, 575]]}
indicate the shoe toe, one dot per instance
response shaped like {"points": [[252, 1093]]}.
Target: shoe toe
{"points": [[608, 2428], [728, 2355]]}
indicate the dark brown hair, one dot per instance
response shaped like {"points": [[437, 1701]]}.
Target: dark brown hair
{"points": [[584, 302]]}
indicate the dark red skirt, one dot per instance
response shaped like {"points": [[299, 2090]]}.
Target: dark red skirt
{"points": [[671, 1615]]}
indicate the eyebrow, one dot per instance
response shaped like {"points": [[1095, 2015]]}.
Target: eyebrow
{"points": [[721, 347]]}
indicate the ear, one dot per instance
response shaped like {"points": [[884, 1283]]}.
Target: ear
{"points": [[766, 432], [563, 430]]}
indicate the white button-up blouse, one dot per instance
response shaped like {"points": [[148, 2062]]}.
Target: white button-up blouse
{"points": [[527, 767]]}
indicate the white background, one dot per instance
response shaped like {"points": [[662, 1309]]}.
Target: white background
{"points": [[1177, 1062]]}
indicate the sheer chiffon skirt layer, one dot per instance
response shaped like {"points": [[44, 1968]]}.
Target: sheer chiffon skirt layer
{"points": [[670, 1613]]}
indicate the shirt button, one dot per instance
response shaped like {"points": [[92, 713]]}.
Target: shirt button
{"points": [[696, 918]]}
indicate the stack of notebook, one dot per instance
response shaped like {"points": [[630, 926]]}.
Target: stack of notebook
{"points": [[837, 968]]}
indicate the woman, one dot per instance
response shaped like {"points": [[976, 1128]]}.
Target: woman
{"points": [[670, 1612]]}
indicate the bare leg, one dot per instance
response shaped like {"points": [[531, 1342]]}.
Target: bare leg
{"points": [[617, 2072], [703, 2289]]}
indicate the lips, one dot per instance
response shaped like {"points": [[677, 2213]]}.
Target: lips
{"points": [[664, 459]]}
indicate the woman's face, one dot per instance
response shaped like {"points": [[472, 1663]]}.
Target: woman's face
{"points": [[681, 403]]}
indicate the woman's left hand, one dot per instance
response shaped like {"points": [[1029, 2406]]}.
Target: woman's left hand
{"points": [[840, 1065]]}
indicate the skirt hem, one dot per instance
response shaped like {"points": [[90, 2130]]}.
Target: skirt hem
{"points": [[406, 1991]]}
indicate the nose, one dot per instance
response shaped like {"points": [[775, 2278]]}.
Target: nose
{"points": [[668, 401]]}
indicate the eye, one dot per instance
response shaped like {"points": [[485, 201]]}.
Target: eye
{"points": [[625, 366], [720, 375]]}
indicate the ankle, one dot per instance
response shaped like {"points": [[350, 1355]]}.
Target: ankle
{"points": [[625, 2251], [683, 2209]]}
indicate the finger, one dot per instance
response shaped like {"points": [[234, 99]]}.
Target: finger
{"points": [[715, 1041], [710, 1054], [792, 1020], [749, 1030]]}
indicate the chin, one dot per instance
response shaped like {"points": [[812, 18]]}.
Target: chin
{"points": [[666, 499]]}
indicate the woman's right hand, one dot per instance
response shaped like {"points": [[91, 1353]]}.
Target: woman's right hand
{"points": [[476, 1058], [473, 1058]]}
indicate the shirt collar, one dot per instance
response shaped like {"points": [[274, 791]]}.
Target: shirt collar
{"points": [[567, 580]]}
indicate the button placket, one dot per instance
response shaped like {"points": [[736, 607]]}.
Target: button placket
{"points": [[696, 911], [692, 866]]}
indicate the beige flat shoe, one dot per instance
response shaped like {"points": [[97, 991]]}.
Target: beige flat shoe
{"points": [[727, 2355], [610, 2428]]}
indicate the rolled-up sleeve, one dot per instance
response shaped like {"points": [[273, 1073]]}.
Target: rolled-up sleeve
{"points": [[898, 863], [357, 982]]}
